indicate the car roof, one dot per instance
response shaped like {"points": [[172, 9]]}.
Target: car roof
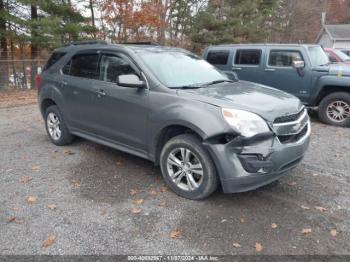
{"points": [[263, 45], [134, 47]]}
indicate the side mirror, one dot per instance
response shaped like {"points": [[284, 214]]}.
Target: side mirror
{"points": [[130, 81], [298, 64]]}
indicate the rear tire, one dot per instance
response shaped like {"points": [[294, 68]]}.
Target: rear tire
{"points": [[187, 167], [56, 128], [334, 109]]}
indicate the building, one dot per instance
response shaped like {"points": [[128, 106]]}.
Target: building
{"points": [[334, 36]]}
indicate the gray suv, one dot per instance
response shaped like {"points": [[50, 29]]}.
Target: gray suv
{"points": [[173, 108]]}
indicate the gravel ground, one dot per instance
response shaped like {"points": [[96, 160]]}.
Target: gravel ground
{"points": [[81, 199]]}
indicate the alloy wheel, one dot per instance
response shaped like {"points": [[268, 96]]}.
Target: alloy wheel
{"points": [[338, 111], [53, 126], [185, 169]]}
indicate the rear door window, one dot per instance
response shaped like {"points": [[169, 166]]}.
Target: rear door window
{"points": [[84, 65], [218, 57], [53, 59], [284, 58], [250, 57]]}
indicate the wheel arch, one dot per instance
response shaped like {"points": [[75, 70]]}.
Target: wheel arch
{"points": [[168, 133], [45, 104], [329, 89]]}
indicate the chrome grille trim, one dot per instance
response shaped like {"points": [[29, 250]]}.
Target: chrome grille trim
{"points": [[289, 118], [293, 128], [294, 122], [302, 139]]}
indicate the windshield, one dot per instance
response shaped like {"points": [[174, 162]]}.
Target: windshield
{"points": [[341, 55], [318, 56], [177, 69]]}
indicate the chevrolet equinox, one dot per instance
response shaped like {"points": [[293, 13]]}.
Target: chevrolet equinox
{"points": [[173, 108]]}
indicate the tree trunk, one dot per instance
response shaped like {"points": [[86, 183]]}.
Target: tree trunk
{"points": [[23, 75], [34, 48], [14, 71], [4, 71], [93, 17]]}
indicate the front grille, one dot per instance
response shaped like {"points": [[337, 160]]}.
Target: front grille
{"points": [[289, 118], [293, 138]]}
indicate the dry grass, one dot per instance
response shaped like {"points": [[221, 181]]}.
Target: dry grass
{"points": [[17, 97]]}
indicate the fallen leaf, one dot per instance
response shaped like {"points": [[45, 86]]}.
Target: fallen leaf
{"points": [[138, 202], [10, 219], [305, 207], [69, 152], [75, 183], [322, 209], [26, 179], [153, 192], [292, 183], [315, 175], [133, 192], [49, 241], [333, 233], [119, 163], [19, 221], [274, 225], [35, 168], [52, 206], [136, 210], [306, 231], [258, 247], [103, 211], [162, 204], [175, 233], [242, 220], [163, 189], [31, 199], [236, 245]]}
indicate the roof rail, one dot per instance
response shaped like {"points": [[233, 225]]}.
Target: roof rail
{"points": [[140, 43], [87, 42]]}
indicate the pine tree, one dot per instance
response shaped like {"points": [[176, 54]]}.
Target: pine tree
{"points": [[234, 21]]}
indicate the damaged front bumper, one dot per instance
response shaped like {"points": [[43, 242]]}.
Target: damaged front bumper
{"points": [[247, 164]]}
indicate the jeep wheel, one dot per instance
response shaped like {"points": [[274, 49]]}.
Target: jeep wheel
{"points": [[334, 109], [56, 127], [187, 167]]}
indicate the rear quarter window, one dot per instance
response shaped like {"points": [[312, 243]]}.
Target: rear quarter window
{"points": [[218, 57], [55, 57]]}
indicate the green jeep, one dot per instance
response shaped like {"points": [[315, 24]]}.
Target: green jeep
{"points": [[302, 70]]}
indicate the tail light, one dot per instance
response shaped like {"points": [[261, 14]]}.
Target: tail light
{"points": [[38, 82]]}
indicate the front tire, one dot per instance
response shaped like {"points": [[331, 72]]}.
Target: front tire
{"points": [[334, 109], [56, 128], [187, 167]]}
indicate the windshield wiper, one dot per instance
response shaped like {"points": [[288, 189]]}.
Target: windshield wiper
{"points": [[188, 87], [198, 86], [218, 82]]}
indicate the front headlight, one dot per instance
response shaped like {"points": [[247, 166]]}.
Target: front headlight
{"points": [[246, 123]]}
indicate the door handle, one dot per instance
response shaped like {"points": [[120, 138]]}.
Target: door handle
{"points": [[100, 93], [64, 83], [236, 68], [270, 70]]}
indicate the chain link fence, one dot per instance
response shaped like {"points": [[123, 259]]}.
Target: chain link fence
{"points": [[17, 74]]}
